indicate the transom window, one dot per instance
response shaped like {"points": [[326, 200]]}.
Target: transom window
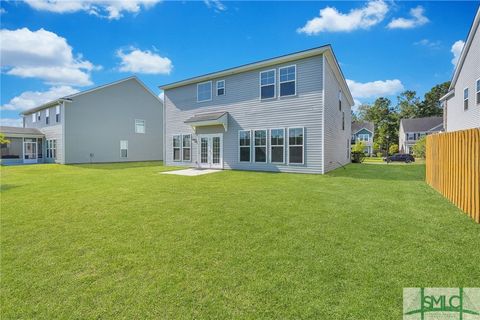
{"points": [[287, 81], [220, 87], [277, 145], [139, 126], [244, 145], [465, 98], [267, 84], [478, 91], [123, 148], [177, 148], [260, 143], [187, 147], [204, 91], [295, 145]]}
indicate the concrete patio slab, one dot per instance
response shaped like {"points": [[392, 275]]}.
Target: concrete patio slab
{"points": [[191, 172]]}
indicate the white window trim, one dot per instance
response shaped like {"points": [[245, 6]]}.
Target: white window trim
{"points": [[260, 146], [224, 88], [477, 91], [57, 112], [468, 98], [303, 146], [277, 145], [34, 117], [123, 149], [211, 89], [144, 126], [181, 155], [280, 82], [250, 146], [274, 84], [180, 147]]}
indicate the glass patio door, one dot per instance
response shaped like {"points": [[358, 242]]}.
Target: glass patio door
{"points": [[211, 151], [29, 150]]}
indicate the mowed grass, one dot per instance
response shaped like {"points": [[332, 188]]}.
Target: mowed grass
{"points": [[122, 241]]}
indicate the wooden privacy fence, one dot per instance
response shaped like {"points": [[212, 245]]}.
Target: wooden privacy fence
{"points": [[453, 168]]}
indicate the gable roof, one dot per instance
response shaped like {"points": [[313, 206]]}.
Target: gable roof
{"points": [[326, 49], [471, 34], [359, 125], [422, 124], [69, 97]]}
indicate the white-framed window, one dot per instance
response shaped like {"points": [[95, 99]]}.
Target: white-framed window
{"points": [[204, 91], [57, 114], [295, 145], [139, 126], [34, 117], [363, 137], [39, 116], [51, 148], [477, 85], [47, 116], [123, 148], [340, 100], [465, 99], [244, 145], [187, 147], [220, 87], [343, 120], [288, 81], [277, 145], [177, 147], [267, 84], [260, 146]]}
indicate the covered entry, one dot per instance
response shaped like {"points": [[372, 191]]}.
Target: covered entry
{"points": [[25, 145]]}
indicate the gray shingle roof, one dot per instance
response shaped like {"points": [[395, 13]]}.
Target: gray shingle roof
{"points": [[422, 124], [359, 125], [18, 130], [206, 116]]}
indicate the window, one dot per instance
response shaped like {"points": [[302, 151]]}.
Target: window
{"points": [[267, 84], [139, 126], [363, 137], [204, 91], [52, 149], [260, 143], [220, 87], [187, 147], [343, 120], [39, 148], [277, 145], [287, 81], [123, 148], [340, 100], [295, 145], [176, 148], [39, 116], [465, 99], [47, 116], [478, 91], [244, 145], [34, 117], [57, 114]]}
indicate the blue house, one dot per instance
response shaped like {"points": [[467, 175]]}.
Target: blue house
{"points": [[363, 131]]}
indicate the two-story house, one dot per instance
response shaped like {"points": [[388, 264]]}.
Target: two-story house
{"points": [[120, 121], [363, 131], [461, 105], [290, 114], [412, 130]]}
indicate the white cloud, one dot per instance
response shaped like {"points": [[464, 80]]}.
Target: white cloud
{"points": [[2, 11], [330, 19], [417, 19], [144, 62], [375, 88], [110, 9], [428, 43], [456, 49], [32, 99], [11, 122], [44, 55], [215, 4]]}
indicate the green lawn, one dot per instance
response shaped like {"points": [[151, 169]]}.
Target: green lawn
{"points": [[124, 241]]}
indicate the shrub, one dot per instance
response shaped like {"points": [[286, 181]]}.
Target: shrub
{"points": [[358, 156], [359, 146], [379, 154], [419, 148], [393, 149]]}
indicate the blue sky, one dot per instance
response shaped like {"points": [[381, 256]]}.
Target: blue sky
{"points": [[53, 48]]}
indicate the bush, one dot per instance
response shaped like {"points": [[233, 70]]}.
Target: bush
{"points": [[379, 154], [359, 146], [393, 149], [419, 148], [358, 156]]}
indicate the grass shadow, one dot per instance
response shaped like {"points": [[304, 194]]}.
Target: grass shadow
{"points": [[118, 165], [6, 187], [412, 172]]}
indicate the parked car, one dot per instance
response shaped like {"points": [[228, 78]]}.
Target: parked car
{"points": [[401, 157]]}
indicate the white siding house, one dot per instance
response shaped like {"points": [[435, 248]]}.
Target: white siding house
{"points": [[462, 103]]}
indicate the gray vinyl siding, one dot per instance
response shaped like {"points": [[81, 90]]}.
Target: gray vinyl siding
{"points": [[54, 133], [96, 121], [337, 140], [42, 123], [247, 112]]}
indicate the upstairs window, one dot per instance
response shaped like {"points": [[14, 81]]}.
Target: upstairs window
{"points": [[57, 114], [39, 116], [478, 91], [187, 147], [176, 148], [260, 145], [340, 100], [295, 145], [220, 87], [204, 91], [267, 84], [244, 145], [343, 120], [139, 126], [277, 143], [34, 117], [465, 99], [47, 116], [288, 77]]}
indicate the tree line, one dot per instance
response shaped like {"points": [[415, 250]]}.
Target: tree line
{"points": [[386, 116]]}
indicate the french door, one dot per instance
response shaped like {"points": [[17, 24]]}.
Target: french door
{"points": [[210, 151], [29, 150]]}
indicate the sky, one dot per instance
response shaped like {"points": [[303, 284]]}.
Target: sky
{"points": [[51, 48]]}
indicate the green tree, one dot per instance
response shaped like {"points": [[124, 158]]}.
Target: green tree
{"points": [[3, 140], [430, 106], [359, 146], [419, 148], [408, 104], [393, 149]]}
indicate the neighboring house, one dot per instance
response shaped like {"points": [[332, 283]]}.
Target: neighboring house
{"points": [[364, 132], [412, 130], [290, 114], [117, 122], [461, 105]]}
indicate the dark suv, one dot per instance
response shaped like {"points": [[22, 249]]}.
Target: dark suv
{"points": [[402, 157]]}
